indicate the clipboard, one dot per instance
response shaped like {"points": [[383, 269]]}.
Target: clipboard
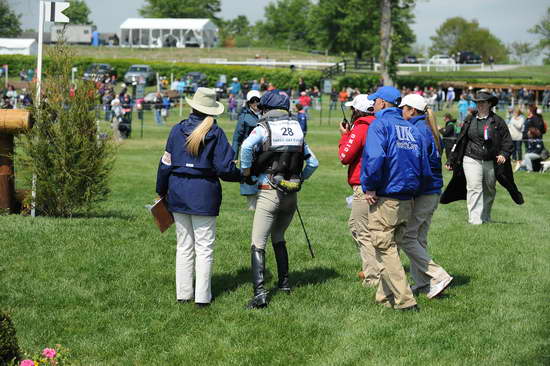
{"points": [[163, 218]]}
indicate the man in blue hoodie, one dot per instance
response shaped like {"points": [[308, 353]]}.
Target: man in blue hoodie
{"points": [[395, 168]]}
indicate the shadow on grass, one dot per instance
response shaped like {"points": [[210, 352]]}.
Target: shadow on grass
{"points": [[229, 282], [459, 280], [312, 276]]}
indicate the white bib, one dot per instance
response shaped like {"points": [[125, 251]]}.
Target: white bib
{"points": [[286, 133]]}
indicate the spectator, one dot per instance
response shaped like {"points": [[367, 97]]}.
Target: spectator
{"points": [[463, 105], [545, 100], [516, 126], [333, 99], [440, 99], [232, 107], [235, 87], [534, 119], [157, 106], [343, 96], [450, 97], [255, 85], [534, 150], [302, 87], [305, 101], [166, 104], [302, 117], [449, 133]]}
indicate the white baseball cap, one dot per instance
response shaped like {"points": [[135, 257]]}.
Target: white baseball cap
{"points": [[415, 101], [361, 103], [253, 93]]}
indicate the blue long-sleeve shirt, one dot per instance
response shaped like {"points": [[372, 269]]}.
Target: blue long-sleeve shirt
{"points": [[395, 162]]}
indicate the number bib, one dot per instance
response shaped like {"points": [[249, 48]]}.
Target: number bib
{"points": [[286, 135]]}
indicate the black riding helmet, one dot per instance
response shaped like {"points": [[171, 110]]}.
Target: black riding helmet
{"points": [[275, 99]]}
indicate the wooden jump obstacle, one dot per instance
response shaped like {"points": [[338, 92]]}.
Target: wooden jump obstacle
{"points": [[12, 122]]}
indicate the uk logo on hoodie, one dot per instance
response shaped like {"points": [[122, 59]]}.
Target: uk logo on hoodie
{"points": [[405, 138]]}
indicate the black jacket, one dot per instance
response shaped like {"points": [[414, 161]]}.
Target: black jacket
{"points": [[499, 144]]}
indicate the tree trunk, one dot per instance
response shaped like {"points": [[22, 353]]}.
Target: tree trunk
{"points": [[385, 41]]}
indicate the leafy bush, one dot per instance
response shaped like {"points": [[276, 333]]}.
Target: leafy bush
{"points": [[281, 78], [62, 150], [9, 349], [364, 82]]}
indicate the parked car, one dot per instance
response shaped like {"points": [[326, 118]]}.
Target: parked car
{"points": [[467, 57], [442, 60], [135, 72], [98, 71], [409, 60]]}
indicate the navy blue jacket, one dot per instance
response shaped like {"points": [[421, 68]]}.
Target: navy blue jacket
{"points": [[302, 120], [247, 121], [191, 182], [395, 162], [535, 146], [434, 187]]}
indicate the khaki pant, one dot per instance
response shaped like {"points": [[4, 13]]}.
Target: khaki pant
{"points": [[481, 189], [357, 223], [387, 223], [274, 212], [424, 270]]}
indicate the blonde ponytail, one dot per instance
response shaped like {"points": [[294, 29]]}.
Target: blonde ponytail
{"points": [[196, 139], [434, 127]]}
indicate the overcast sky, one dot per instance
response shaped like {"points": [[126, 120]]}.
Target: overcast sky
{"points": [[509, 20]]}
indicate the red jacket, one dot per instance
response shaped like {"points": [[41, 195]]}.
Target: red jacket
{"points": [[350, 148]]}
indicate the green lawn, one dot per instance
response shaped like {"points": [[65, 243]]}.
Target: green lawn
{"points": [[103, 285]]}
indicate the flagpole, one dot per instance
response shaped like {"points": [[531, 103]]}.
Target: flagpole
{"points": [[38, 89]]}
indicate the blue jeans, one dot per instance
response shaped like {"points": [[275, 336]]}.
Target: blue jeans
{"points": [[516, 154], [158, 117]]}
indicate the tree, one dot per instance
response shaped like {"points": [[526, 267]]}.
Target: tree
{"points": [[341, 26], [78, 12], [542, 30], [10, 25], [522, 51], [286, 23], [181, 9], [235, 32], [385, 41], [458, 35]]}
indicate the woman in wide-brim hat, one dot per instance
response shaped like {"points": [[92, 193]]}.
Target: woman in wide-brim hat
{"points": [[479, 158], [197, 154]]}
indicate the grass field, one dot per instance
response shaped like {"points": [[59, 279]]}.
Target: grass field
{"points": [[103, 284]]}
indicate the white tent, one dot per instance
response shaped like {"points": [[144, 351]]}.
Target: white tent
{"points": [[158, 32], [15, 46]]}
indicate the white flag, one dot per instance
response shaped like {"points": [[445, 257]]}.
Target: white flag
{"points": [[53, 12]]}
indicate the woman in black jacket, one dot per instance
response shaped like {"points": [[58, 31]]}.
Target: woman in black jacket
{"points": [[480, 157], [448, 133]]}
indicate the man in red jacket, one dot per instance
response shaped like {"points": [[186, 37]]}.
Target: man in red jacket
{"points": [[350, 151]]}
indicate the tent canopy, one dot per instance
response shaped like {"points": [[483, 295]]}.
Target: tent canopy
{"points": [[16, 43], [168, 32], [167, 23]]}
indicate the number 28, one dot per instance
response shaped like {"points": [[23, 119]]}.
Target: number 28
{"points": [[287, 131]]}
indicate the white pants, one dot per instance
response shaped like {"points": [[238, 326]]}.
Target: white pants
{"points": [[195, 243], [481, 189]]}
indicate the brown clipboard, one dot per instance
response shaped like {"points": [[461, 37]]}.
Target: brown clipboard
{"points": [[163, 218]]}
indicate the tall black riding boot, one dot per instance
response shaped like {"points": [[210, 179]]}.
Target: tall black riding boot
{"points": [[281, 256], [258, 270]]}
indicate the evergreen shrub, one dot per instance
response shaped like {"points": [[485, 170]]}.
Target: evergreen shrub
{"points": [[9, 349], [62, 151]]}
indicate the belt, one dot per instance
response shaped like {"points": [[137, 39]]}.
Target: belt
{"points": [[265, 186]]}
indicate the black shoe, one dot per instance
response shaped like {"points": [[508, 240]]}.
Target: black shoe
{"points": [[414, 308], [257, 258], [281, 256], [202, 304], [182, 301]]}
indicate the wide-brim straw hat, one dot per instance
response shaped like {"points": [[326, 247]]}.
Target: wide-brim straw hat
{"points": [[205, 102]]}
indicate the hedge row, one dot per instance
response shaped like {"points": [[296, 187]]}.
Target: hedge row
{"points": [[281, 78]]}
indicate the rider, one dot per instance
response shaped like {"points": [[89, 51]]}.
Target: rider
{"points": [[274, 152]]}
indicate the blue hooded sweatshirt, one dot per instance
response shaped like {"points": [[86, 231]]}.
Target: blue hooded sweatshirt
{"points": [[434, 187], [395, 162], [191, 182]]}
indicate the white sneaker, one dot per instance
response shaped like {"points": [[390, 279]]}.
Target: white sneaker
{"points": [[439, 287]]}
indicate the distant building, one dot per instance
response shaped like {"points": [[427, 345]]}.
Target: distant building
{"points": [[177, 32], [18, 46], [74, 33]]}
